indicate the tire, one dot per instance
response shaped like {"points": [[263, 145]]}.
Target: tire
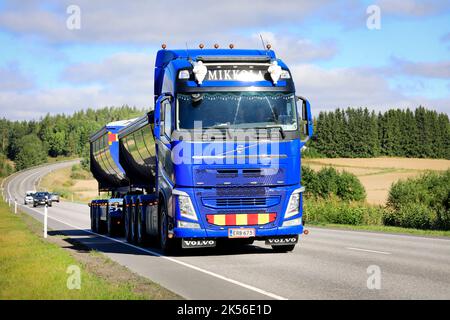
{"points": [[127, 224], [286, 248], [133, 225], [100, 225], [167, 245], [93, 221], [111, 227], [141, 232]]}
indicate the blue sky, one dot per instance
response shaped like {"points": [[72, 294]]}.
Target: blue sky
{"points": [[335, 59]]}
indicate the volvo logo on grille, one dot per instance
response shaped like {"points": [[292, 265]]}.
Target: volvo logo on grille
{"points": [[240, 149]]}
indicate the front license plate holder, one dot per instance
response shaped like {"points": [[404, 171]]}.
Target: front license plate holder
{"points": [[234, 233]]}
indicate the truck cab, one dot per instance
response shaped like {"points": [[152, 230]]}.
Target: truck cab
{"points": [[217, 159], [229, 131]]}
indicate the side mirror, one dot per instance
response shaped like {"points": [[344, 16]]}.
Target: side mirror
{"points": [[304, 110]]}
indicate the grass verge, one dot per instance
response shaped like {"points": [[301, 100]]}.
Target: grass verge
{"points": [[384, 229], [32, 268]]}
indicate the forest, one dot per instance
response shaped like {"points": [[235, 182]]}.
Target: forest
{"points": [[360, 133], [29, 143], [353, 132]]}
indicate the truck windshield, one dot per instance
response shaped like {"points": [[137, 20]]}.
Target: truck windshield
{"points": [[237, 110]]}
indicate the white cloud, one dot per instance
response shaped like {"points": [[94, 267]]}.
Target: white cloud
{"points": [[12, 78], [438, 69], [415, 8], [152, 22], [328, 89]]}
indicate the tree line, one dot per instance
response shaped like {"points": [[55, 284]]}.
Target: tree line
{"points": [[360, 133], [30, 143], [341, 133]]}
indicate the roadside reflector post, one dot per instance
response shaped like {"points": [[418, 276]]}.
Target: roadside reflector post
{"points": [[15, 206], [45, 221]]}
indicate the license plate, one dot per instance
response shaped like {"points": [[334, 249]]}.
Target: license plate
{"points": [[241, 233]]}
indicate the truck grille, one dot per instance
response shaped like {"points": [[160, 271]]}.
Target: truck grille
{"points": [[261, 202]]}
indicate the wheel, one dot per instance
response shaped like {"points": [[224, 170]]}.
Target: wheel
{"points": [[286, 248], [141, 231], [166, 244], [133, 224], [34, 205], [127, 223], [111, 227], [100, 225], [93, 221]]}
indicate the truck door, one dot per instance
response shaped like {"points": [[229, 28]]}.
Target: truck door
{"points": [[163, 131]]}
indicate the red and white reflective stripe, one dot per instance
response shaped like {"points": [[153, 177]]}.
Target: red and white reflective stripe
{"points": [[241, 219]]}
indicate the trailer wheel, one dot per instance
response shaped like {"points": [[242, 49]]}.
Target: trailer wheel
{"points": [[93, 223], [141, 230], [112, 228], [133, 224], [99, 224], [166, 244], [286, 248], [127, 224]]}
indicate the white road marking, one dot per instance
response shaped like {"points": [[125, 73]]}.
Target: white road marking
{"points": [[367, 250], [154, 253]]}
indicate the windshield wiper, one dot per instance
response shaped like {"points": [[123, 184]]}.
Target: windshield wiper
{"points": [[282, 133]]}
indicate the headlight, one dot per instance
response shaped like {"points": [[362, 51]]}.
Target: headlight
{"points": [[293, 222], [185, 205], [191, 225], [294, 203]]}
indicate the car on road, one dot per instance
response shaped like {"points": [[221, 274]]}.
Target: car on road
{"points": [[54, 197], [28, 197], [42, 198]]}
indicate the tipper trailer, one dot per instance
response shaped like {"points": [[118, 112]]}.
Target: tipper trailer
{"points": [[218, 157]]}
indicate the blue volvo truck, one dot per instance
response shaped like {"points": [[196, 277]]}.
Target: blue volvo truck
{"points": [[218, 159]]}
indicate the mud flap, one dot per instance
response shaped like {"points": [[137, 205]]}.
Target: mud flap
{"points": [[282, 241]]}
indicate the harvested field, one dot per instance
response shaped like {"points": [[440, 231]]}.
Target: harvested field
{"points": [[378, 174]]}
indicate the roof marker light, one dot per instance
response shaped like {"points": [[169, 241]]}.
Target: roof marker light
{"points": [[216, 46], [200, 71], [163, 46], [201, 45], [231, 46], [275, 71]]}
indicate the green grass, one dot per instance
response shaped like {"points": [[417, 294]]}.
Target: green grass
{"points": [[32, 268], [385, 229]]}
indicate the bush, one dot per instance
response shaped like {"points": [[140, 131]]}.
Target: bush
{"points": [[422, 202], [333, 210], [350, 188], [79, 173], [328, 182]]}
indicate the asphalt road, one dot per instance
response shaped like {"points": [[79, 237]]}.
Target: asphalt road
{"points": [[327, 264]]}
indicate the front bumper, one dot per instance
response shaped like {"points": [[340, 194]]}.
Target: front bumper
{"points": [[223, 233]]}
